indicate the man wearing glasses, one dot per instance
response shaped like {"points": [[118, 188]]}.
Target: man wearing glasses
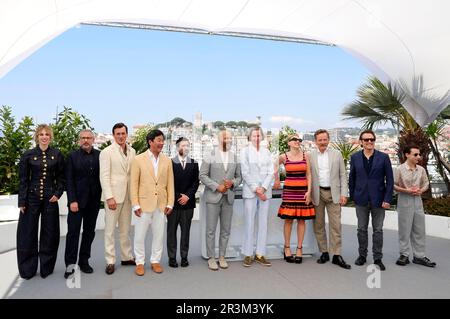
{"points": [[411, 182], [83, 196], [371, 186]]}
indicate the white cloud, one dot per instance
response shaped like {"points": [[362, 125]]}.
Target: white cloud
{"points": [[290, 120]]}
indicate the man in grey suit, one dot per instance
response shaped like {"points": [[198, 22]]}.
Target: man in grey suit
{"points": [[221, 174], [330, 191]]}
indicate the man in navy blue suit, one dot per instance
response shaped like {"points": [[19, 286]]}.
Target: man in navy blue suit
{"points": [[371, 188]]}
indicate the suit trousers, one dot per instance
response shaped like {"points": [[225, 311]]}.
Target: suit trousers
{"points": [[411, 225], [182, 218], [222, 211], [121, 216], [254, 207], [30, 249], [157, 220], [363, 214], [88, 217], [334, 226]]}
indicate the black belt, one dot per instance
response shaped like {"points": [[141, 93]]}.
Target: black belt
{"points": [[325, 188]]}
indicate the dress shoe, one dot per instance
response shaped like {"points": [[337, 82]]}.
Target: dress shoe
{"points": [[184, 263], [173, 263], [339, 261], [45, 275], [380, 264], [403, 260], [361, 261], [324, 259], [424, 262], [223, 263], [299, 257], [110, 269], [86, 268], [67, 273], [212, 264], [140, 270], [263, 261], [131, 262], [157, 268], [288, 259]]}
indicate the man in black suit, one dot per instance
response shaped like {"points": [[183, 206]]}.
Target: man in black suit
{"points": [[186, 175], [83, 197]]}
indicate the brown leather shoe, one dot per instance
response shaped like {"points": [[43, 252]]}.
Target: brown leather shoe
{"points": [[140, 270], [157, 268], [110, 269]]}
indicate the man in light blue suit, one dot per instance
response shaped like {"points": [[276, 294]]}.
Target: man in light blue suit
{"points": [[371, 187], [257, 175]]}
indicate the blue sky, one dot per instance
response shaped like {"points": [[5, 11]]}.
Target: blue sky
{"points": [[138, 76]]}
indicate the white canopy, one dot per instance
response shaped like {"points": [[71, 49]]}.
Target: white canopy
{"points": [[406, 42]]}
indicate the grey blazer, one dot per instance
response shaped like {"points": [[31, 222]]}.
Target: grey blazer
{"points": [[338, 176], [212, 174]]}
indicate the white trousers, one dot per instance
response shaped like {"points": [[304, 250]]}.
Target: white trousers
{"points": [[157, 220], [255, 207]]}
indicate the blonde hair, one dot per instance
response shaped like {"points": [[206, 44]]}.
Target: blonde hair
{"points": [[39, 129]]}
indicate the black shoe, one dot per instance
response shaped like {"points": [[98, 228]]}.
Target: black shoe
{"points": [[324, 259], [361, 261], [67, 274], [131, 262], [380, 264], [184, 263], [338, 260], [299, 258], [173, 263], [45, 275], [86, 268], [403, 261], [424, 262], [288, 259], [110, 269]]}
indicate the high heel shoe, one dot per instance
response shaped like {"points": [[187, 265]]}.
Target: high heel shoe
{"points": [[288, 259], [299, 259]]}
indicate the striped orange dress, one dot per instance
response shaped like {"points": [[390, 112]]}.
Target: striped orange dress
{"points": [[294, 192]]}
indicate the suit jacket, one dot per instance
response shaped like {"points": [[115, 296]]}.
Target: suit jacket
{"points": [[115, 172], [338, 176], [83, 181], [256, 173], [378, 185], [186, 181], [148, 190], [212, 174]]}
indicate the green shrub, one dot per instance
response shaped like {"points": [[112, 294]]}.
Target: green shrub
{"points": [[438, 206]]}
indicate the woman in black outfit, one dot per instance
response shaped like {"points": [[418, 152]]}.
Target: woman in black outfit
{"points": [[41, 174]]}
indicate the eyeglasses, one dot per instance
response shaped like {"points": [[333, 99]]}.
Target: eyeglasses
{"points": [[369, 140], [417, 154], [295, 140], [86, 138]]}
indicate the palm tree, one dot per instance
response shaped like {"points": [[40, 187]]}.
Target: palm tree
{"points": [[379, 104], [346, 149]]}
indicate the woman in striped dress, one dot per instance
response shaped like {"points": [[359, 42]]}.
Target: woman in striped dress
{"points": [[297, 204]]}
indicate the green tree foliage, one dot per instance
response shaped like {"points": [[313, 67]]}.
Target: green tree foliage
{"points": [[67, 126], [140, 139], [14, 141]]}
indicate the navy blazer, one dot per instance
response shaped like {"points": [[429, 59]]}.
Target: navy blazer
{"points": [[186, 181], [378, 186]]}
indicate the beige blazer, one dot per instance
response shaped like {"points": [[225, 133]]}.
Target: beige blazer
{"points": [[338, 176], [148, 191], [115, 172]]}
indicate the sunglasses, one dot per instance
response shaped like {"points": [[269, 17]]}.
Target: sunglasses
{"points": [[295, 140], [417, 154], [369, 140]]}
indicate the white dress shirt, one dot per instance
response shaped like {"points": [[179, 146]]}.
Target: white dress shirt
{"points": [[324, 168], [225, 158]]}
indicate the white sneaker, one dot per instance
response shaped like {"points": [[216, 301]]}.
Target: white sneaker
{"points": [[223, 263], [212, 264]]}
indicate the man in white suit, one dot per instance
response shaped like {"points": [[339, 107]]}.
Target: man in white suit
{"points": [[330, 191], [257, 175], [115, 165]]}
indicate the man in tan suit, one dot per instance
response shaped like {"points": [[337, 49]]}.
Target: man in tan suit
{"points": [[153, 197], [330, 191], [115, 164]]}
